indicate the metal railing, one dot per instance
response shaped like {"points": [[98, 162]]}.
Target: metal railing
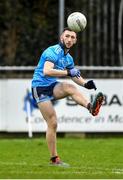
{"points": [[87, 68]]}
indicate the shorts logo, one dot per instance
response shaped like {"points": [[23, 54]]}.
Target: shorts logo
{"points": [[42, 96]]}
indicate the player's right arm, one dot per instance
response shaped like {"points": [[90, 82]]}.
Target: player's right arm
{"points": [[50, 71], [51, 60]]}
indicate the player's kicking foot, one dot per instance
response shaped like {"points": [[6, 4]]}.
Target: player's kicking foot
{"points": [[97, 104], [55, 161]]}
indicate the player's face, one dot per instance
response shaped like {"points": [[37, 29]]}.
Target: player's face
{"points": [[68, 38]]}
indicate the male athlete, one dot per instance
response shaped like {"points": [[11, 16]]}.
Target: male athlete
{"points": [[56, 62]]}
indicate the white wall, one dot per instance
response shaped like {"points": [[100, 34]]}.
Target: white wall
{"points": [[71, 117]]}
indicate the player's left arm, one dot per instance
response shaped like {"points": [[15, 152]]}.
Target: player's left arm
{"points": [[79, 80], [75, 74], [82, 82]]}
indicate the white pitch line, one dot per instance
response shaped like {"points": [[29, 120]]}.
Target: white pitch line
{"points": [[12, 163], [57, 172], [80, 170]]}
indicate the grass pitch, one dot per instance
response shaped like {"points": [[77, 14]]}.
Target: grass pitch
{"points": [[88, 158]]}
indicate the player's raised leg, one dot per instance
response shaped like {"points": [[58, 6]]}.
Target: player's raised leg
{"points": [[65, 89]]}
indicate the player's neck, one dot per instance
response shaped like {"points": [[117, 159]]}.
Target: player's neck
{"points": [[66, 50]]}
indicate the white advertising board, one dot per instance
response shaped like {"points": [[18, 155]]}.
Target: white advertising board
{"points": [[71, 117]]}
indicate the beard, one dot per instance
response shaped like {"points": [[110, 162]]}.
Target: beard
{"points": [[64, 45]]}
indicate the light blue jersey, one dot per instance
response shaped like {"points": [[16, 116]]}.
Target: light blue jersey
{"points": [[61, 61]]}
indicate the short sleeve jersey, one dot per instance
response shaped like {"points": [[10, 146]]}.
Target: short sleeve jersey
{"points": [[56, 55]]}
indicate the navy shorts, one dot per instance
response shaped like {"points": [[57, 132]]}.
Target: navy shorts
{"points": [[41, 94]]}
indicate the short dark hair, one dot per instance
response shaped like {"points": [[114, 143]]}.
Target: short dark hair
{"points": [[68, 29]]}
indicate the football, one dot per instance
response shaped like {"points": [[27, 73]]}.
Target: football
{"points": [[77, 21]]}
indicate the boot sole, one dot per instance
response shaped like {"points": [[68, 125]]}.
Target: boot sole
{"points": [[97, 104]]}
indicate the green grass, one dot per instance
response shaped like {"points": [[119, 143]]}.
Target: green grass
{"points": [[88, 158]]}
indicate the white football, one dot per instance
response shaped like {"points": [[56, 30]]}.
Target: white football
{"points": [[77, 21]]}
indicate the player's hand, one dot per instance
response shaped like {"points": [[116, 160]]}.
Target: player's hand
{"points": [[90, 85], [73, 72]]}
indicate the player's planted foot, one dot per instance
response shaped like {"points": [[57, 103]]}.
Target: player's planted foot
{"points": [[55, 161], [95, 107]]}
